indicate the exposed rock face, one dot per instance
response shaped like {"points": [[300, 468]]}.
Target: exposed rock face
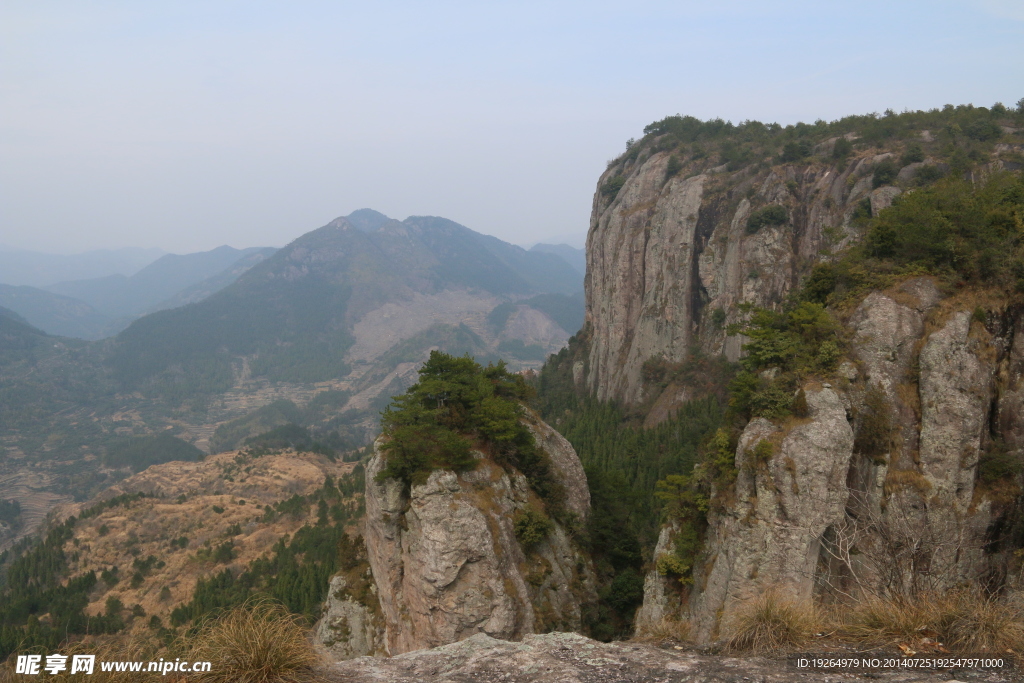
{"points": [[664, 256], [572, 658], [447, 563], [348, 628], [772, 535], [914, 511]]}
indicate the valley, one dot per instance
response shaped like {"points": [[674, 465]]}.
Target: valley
{"points": [[788, 383]]}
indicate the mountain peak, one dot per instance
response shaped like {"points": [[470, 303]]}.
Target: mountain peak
{"points": [[367, 220]]}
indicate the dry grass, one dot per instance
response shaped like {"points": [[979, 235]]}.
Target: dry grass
{"points": [[129, 649], [962, 622], [259, 642], [771, 623], [666, 629]]}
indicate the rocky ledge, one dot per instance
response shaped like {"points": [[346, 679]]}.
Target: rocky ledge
{"points": [[572, 658]]}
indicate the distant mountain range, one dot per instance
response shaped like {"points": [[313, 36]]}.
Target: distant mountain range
{"points": [[320, 333], [101, 307], [38, 269]]}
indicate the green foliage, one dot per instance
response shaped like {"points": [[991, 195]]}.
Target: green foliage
{"points": [[913, 155], [456, 402], [885, 173], [140, 452], [532, 526], [10, 512], [36, 583], [954, 229], [800, 407], [718, 317], [673, 167], [297, 574], [873, 437], [288, 437], [842, 149], [792, 343], [795, 150], [611, 188], [773, 214]]}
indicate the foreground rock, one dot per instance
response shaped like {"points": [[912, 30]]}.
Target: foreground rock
{"points": [[447, 561], [572, 658]]}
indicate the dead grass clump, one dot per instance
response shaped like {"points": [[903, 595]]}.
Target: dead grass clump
{"points": [[962, 622], [884, 621], [666, 629], [118, 649], [258, 642], [771, 622], [976, 625]]}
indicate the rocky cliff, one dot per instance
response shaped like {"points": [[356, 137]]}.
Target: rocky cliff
{"points": [[448, 562], [899, 474], [679, 238]]}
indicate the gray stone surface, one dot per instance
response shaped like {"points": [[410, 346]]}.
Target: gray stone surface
{"points": [[348, 628], [572, 658], [447, 563]]}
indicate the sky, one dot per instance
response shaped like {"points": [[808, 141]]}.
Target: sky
{"points": [[186, 125]]}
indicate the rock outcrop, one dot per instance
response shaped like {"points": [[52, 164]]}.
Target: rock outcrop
{"points": [[349, 628], [932, 385], [570, 657], [447, 562], [786, 497]]}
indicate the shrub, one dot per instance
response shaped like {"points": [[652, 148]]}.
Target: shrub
{"points": [[718, 317], [532, 526], [611, 188], [885, 173], [875, 426], [673, 167], [928, 173], [224, 553], [774, 214], [258, 642], [770, 623], [842, 149], [795, 151], [913, 155], [800, 407]]}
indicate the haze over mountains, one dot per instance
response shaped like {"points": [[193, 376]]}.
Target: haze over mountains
{"points": [[319, 334]]}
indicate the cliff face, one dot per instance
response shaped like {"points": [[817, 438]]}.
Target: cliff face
{"points": [[670, 256], [447, 561], [825, 514], [882, 487]]}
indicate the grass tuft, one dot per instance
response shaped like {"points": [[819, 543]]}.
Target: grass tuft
{"points": [[258, 642], [771, 622]]}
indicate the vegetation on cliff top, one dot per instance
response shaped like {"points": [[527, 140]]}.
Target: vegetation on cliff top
{"points": [[455, 406]]}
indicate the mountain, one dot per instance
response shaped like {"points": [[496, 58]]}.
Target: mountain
{"points": [[577, 258], [37, 269], [57, 314], [119, 296], [316, 336], [803, 341], [352, 302]]}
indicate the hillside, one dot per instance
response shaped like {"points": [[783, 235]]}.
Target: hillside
{"points": [[824, 318], [332, 325]]}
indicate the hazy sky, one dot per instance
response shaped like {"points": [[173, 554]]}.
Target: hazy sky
{"points": [[186, 125]]}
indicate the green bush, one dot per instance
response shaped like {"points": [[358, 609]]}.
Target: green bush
{"points": [[913, 155], [773, 214], [455, 403], [673, 167], [532, 526], [842, 149], [795, 151], [611, 188], [885, 173]]}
